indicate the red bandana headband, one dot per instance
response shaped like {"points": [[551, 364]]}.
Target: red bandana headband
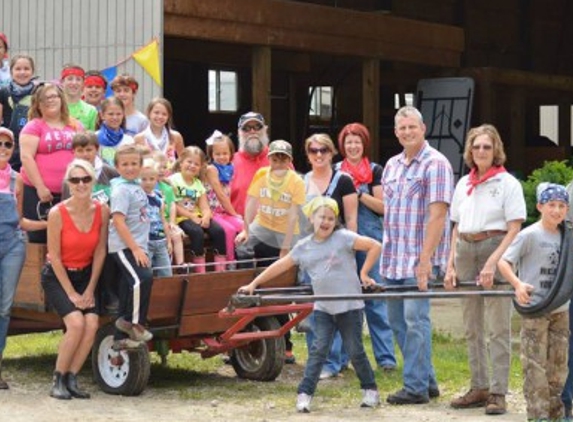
{"points": [[94, 80], [69, 71]]}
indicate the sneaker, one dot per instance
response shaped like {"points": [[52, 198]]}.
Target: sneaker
{"points": [[388, 368], [404, 397], [135, 332], [496, 405], [324, 375], [126, 344], [473, 398], [370, 398], [303, 403], [289, 357]]}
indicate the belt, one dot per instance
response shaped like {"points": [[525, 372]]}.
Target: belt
{"points": [[478, 237]]}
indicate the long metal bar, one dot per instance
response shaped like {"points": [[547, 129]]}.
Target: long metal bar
{"points": [[241, 301]]}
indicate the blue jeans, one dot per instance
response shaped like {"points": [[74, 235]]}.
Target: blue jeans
{"points": [[567, 394], [337, 357], [350, 326], [160, 260], [12, 257], [410, 321]]}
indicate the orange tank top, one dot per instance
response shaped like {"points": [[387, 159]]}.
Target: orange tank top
{"points": [[76, 247]]}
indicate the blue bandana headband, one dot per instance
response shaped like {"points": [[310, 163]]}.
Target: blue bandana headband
{"points": [[551, 192]]}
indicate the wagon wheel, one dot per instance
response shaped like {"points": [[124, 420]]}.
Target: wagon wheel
{"points": [[260, 360], [123, 372]]}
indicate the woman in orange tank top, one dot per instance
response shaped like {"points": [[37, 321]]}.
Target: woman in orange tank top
{"points": [[77, 238]]}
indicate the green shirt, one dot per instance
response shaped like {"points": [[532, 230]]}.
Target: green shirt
{"points": [[85, 113]]}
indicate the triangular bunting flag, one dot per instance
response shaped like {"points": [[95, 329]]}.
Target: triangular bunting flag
{"points": [[148, 58]]}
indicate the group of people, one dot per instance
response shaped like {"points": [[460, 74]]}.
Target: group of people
{"points": [[112, 191]]}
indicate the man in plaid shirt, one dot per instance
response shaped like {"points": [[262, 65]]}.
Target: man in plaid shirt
{"points": [[418, 185]]}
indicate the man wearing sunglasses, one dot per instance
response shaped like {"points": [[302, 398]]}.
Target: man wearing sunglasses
{"points": [[251, 156]]}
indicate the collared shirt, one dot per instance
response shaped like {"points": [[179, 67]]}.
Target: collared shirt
{"points": [[409, 189]]}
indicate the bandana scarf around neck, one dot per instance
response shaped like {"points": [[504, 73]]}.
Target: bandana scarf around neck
{"points": [[361, 173], [108, 137], [20, 91], [225, 172], [5, 175], [475, 180]]}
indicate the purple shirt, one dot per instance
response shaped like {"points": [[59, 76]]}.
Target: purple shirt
{"points": [[409, 189]]}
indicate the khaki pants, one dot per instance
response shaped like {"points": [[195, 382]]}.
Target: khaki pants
{"points": [[544, 345], [487, 321]]}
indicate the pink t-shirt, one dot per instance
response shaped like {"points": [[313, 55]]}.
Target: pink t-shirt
{"points": [[54, 152]]}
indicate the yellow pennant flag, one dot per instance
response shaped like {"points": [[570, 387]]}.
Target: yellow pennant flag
{"points": [[148, 58]]}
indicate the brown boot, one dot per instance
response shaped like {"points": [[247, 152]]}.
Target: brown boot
{"points": [[495, 405], [473, 398]]}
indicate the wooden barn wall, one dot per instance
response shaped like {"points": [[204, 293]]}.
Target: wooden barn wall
{"points": [[95, 34]]}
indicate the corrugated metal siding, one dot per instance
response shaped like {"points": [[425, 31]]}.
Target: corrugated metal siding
{"points": [[95, 34]]}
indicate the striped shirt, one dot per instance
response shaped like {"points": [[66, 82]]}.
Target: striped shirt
{"points": [[409, 189]]}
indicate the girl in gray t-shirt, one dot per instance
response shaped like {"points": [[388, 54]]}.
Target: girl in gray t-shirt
{"points": [[328, 255]]}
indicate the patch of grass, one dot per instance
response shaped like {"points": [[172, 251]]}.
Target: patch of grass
{"points": [[190, 377]]}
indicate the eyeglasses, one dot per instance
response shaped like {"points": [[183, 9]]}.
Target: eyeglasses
{"points": [[7, 144], [76, 180], [485, 147], [50, 98], [249, 128], [314, 151]]}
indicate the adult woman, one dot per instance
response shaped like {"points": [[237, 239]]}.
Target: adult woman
{"points": [[15, 100], [12, 238], [354, 143], [77, 238], [324, 180], [160, 135], [487, 210], [45, 150]]}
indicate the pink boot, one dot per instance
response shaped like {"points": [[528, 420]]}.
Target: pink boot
{"points": [[199, 262], [220, 263]]}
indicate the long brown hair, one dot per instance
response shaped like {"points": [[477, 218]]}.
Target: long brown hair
{"points": [[40, 95]]}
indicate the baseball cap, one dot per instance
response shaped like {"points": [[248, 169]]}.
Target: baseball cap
{"points": [[251, 116], [7, 132], [280, 147]]}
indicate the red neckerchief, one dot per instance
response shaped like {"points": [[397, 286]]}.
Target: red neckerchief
{"points": [[361, 173], [474, 179]]}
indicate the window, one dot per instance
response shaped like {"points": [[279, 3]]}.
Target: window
{"points": [[408, 100], [549, 122], [223, 90], [321, 102]]}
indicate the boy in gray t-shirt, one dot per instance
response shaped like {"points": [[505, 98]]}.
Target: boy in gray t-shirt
{"points": [[127, 244], [535, 254]]}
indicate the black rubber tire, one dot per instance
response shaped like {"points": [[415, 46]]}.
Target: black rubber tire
{"points": [[260, 360], [128, 375]]}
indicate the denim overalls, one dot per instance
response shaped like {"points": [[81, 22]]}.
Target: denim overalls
{"points": [[12, 256]]}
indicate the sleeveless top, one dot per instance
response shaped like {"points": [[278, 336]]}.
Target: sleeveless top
{"points": [[77, 247]]}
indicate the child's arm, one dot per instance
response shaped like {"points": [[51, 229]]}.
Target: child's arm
{"points": [[212, 176], [203, 204], [138, 253], [251, 207], [373, 250], [292, 219], [276, 268], [166, 228], [184, 212], [522, 290]]}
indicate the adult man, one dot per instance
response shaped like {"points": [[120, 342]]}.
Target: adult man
{"points": [[418, 187], [251, 156], [72, 79]]}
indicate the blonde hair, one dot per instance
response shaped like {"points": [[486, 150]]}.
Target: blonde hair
{"points": [[80, 164], [491, 132], [322, 139]]}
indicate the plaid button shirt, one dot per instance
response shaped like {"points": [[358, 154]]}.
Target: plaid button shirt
{"points": [[409, 189]]}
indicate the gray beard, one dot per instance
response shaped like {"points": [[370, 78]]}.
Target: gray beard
{"points": [[254, 145]]}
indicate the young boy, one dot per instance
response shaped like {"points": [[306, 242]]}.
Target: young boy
{"points": [[125, 88], [95, 86], [86, 146], [72, 78], [159, 243], [128, 244], [535, 255]]}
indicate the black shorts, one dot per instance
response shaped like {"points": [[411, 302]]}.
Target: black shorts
{"points": [[57, 296]]}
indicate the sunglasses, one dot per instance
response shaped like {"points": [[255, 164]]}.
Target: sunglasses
{"points": [[249, 128], [315, 151], [76, 180], [7, 144], [484, 147]]}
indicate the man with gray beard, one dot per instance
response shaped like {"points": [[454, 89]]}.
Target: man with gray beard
{"points": [[251, 156]]}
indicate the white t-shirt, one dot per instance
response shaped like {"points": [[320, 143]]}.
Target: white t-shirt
{"points": [[490, 205]]}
